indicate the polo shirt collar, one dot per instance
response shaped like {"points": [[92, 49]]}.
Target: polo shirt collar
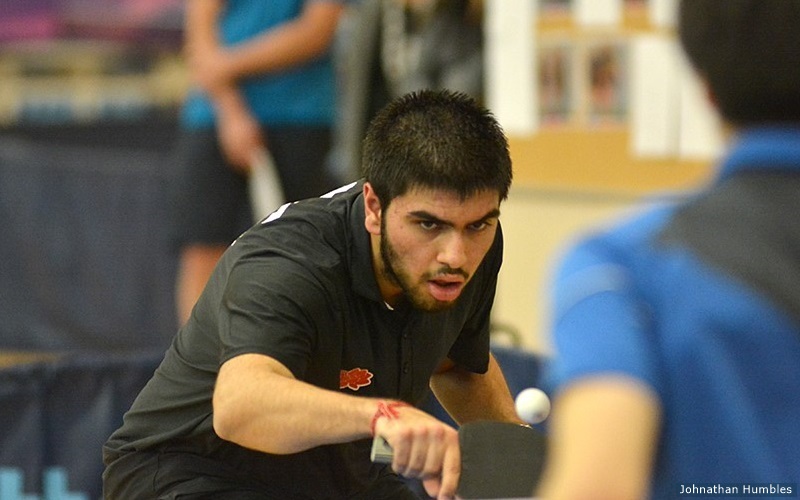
{"points": [[360, 260], [763, 148]]}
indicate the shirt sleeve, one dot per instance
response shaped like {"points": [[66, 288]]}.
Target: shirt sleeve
{"points": [[471, 348], [273, 306], [601, 323]]}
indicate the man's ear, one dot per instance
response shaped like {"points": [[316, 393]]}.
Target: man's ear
{"points": [[373, 210], [711, 97]]}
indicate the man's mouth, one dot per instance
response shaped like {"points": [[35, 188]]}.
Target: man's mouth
{"points": [[446, 288]]}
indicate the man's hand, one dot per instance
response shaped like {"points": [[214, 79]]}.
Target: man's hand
{"points": [[209, 69], [423, 447], [240, 138]]}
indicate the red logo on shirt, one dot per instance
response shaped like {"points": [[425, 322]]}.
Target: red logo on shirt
{"points": [[354, 379]]}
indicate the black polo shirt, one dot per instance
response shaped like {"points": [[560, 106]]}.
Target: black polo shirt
{"points": [[300, 287]]}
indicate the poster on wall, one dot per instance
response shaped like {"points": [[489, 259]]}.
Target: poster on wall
{"points": [[607, 76], [555, 78], [554, 7]]}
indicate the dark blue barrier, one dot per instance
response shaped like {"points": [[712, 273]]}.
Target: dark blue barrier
{"points": [[55, 417], [85, 257], [87, 270]]}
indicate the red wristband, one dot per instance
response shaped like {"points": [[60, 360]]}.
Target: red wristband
{"points": [[388, 410]]}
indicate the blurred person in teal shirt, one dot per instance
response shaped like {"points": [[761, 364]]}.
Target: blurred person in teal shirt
{"points": [[262, 81]]}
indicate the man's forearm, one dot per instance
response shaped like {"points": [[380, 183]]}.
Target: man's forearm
{"points": [[200, 25], [468, 396], [290, 44], [259, 405]]}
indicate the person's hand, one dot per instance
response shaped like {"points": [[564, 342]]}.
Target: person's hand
{"points": [[239, 133], [423, 447], [240, 138], [208, 69]]}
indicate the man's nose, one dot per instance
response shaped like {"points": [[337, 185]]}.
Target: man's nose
{"points": [[453, 252]]}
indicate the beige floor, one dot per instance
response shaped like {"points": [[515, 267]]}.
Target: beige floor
{"points": [[537, 226]]}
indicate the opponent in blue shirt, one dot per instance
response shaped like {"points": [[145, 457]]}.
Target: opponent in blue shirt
{"points": [[678, 333]]}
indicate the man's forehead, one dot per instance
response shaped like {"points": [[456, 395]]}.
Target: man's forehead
{"points": [[434, 194], [447, 204]]}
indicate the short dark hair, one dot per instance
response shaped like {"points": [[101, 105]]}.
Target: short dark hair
{"points": [[436, 139], [748, 51]]}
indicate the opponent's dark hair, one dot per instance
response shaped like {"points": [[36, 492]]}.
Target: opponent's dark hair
{"points": [[439, 140], [748, 51]]}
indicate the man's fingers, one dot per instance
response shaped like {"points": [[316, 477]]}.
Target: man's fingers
{"points": [[418, 451], [426, 453], [451, 472], [444, 485], [437, 446], [432, 486], [401, 446], [426, 449]]}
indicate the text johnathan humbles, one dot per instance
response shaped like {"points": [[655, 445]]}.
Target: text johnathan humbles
{"points": [[741, 489]]}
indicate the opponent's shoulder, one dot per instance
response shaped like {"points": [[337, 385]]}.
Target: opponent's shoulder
{"points": [[628, 233]]}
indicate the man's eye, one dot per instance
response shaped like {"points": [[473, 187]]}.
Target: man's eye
{"points": [[479, 226], [428, 225]]}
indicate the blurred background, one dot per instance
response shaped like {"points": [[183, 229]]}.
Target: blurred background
{"points": [[89, 93], [601, 114], [88, 99]]}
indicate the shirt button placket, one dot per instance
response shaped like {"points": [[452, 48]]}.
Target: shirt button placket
{"points": [[406, 366]]}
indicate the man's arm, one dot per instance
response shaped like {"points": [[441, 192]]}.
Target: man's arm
{"points": [[604, 431], [468, 396], [202, 47], [239, 132], [293, 43], [259, 404]]}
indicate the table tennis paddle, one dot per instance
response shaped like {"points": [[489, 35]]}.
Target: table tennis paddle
{"points": [[265, 189], [498, 459]]}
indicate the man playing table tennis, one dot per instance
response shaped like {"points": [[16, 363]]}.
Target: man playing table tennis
{"points": [[328, 322], [678, 332]]}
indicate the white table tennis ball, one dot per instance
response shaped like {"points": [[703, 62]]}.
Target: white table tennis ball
{"points": [[533, 405]]}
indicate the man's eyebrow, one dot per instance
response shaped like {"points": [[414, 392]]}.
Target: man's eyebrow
{"points": [[422, 214]]}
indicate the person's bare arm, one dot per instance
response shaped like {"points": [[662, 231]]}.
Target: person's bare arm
{"points": [[218, 69], [202, 46], [293, 43], [239, 133], [260, 405], [468, 396], [604, 431], [200, 26]]}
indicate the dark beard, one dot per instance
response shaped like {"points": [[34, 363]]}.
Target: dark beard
{"points": [[390, 259]]}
